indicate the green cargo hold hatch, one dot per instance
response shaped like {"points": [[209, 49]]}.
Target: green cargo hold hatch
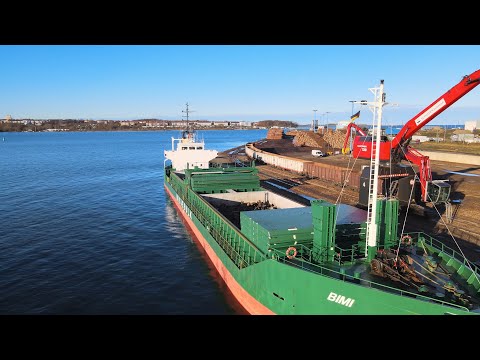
{"points": [[277, 227], [286, 227]]}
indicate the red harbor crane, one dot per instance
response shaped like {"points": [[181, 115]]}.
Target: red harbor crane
{"points": [[345, 148], [392, 152]]}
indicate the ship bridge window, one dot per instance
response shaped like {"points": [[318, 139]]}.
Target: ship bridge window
{"points": [[184, 148], [199, 148], [192, 147]]}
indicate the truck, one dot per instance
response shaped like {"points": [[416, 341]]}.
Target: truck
{"points": [[318, 153]]}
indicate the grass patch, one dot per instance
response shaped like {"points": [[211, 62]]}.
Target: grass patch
{"points": [[458, 147], [446, 144]]}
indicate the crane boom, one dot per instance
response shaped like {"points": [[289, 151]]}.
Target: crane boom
{"points": [[345, 148], [398, 148], [468, 83]]}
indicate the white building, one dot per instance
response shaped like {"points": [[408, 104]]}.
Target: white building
{"points": [[420, 138], [342, 124], [472, 125]]}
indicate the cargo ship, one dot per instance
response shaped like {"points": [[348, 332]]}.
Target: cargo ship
{"points": [[289, 255]]}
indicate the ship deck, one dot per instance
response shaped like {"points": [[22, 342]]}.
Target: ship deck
{"points": [[443, 283], [439, 284]]}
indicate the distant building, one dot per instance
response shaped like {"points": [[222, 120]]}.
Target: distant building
{"points": [[463, 135], [342, 124], [472, 125], [8, 118], [203, 123], [420, 138], [466, 138]]}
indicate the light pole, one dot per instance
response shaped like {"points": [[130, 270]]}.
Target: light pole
{"points": [[328, 112], [352, 101], [315, 120]]}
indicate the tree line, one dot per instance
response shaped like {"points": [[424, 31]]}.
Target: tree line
{"points": [[279, 123]]}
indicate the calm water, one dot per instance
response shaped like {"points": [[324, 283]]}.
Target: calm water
{"points": [[86, 227]]}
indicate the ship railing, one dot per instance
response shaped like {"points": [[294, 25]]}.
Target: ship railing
{"points": [[241, 260], [355, 279], [437, 244], [302, 252], [464, 267], [232, 242], [238, 248], [315, 253], [346, 255]]}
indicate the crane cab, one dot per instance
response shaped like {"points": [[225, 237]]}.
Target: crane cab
{"points": [[438, 191], [362, 147]]}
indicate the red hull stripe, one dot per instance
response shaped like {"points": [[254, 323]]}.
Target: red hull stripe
{"points": [[244, 298]]}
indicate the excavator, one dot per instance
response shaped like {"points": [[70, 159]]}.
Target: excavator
{"points": [[399, 179]]}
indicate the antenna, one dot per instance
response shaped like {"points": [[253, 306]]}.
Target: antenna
{"points": [[187, 112]]}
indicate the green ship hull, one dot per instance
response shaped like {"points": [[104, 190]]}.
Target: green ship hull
{"points": [[308, 273]]}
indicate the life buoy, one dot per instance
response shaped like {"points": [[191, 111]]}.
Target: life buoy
{"points": [[406, 240], [289, 254]]}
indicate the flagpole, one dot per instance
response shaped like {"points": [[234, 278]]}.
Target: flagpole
{"points": [[352, 119], [351, 132]]}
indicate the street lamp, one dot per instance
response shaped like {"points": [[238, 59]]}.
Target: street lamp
{"points": [[323, 122], [328, 112], [352, 101], [314, 120]]}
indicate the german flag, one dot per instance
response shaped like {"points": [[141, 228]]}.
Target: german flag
{"points": [[355, 116]]}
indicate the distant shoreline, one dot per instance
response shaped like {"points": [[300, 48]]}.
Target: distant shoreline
{"points": [[123, 130]]}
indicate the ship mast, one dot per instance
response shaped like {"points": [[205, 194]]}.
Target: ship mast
{"points": [[187, 112], [376, 107]]}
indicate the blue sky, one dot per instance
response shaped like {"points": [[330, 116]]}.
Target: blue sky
{"points": [[233, 82]]}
